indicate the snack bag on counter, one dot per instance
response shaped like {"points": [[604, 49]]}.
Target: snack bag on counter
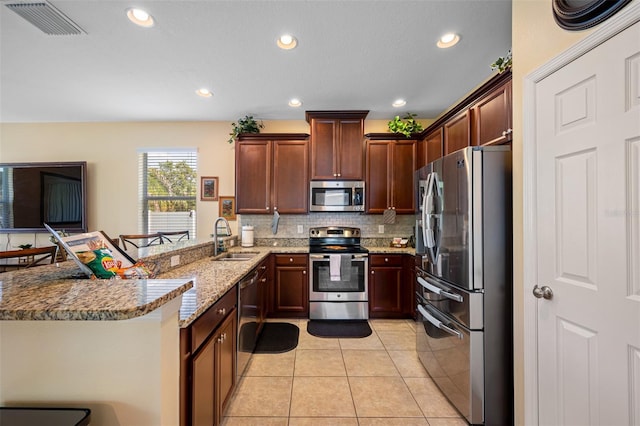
{"points": [[138, 270], [100, 261]]}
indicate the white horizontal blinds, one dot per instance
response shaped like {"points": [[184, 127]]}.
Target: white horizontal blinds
{"points": [[6, 197], [167, 188]]}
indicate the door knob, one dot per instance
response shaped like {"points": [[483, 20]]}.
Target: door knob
{"points": [[543, 292]]}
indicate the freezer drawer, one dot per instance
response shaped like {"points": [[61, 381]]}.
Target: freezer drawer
{"points": [[460, 305], [454, 358]]}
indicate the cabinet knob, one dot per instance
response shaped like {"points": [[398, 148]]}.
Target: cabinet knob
{"points": [[507, 132], [263, 267], [222, 311], [304, 272], [264, 280], [373, 272], [291, 259], [339, 175], [275, 208], [386, 259]]}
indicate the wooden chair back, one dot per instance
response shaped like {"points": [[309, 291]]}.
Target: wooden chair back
{"points": [[174, 236], [141, 240], [27, 258]]}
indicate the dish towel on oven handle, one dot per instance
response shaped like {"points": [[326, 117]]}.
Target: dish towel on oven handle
{"points": [[334, 267]]}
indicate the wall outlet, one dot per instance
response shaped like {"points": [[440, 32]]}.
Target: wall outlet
{"points": [[380, 229], [175, 260], [300, 230]]}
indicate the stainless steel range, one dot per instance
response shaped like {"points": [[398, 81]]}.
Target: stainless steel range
{"points": [[338, 279]]}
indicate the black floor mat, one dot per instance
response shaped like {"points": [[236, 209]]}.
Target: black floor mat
{"points": [[339, 328], [277, 337]]}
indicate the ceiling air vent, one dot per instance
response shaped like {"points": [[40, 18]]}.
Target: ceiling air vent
{"points": [[46, 17]]}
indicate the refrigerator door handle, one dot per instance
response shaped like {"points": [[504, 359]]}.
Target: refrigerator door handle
{"points": [[439, 291], [427, 207], [439, 324]]}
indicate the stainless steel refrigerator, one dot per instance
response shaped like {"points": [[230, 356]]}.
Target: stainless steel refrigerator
{"points": [[464, 280]]}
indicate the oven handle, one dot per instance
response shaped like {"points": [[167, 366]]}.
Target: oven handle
{"points": [[326, 256], [439, 291], [438, 323]]}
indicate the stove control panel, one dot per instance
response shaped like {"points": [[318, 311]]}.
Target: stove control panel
{"points": [[334, 231]]}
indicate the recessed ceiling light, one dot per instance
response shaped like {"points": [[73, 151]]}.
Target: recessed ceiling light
{"points": [[205, 93], [140, 17], [399, 103], [448, 40], [287, 42], [295, 103]]}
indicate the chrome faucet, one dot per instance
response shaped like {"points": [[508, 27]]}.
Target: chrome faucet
{"points": [[215, 234]]}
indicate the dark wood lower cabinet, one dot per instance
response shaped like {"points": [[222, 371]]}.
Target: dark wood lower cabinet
{"points": [[390, 286], [290, 286], [208, 363]]}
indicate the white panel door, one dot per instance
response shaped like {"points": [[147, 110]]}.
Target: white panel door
{"points": [[588, 222]]}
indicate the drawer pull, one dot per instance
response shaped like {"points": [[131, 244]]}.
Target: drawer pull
{"points": [[222, 311]]}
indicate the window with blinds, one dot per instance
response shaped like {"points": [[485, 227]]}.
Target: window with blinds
{"points": [[167, 179]]}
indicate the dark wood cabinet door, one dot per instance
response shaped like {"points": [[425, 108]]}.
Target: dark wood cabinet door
{"points": [[253, 177], [203, 385], [492, 117], [225, 364], [291, 176], [377, 197], [457, 132], [350, 149], [385, 286], [291, 286], [403, 166], [323, 150], [430, 148]]}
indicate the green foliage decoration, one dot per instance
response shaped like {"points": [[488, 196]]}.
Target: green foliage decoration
{"points": [[503, 63], [407, 125], [244, 125]]}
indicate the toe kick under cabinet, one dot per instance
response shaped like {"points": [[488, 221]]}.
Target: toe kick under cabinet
{"points": [[207, 364]]}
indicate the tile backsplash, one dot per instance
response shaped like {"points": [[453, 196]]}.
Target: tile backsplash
{"points": [[288, 225]]}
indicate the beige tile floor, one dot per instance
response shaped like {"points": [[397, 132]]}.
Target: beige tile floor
{"points": [[377, 380]]}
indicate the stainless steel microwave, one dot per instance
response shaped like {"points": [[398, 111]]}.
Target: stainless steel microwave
{"points": [[336, 196]]}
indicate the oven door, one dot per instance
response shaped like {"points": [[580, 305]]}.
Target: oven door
{"points": [[453, 356], [345, 282]]}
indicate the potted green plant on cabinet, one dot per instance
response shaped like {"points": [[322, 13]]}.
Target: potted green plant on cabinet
{"points": [[406, 125], [244, 125]]}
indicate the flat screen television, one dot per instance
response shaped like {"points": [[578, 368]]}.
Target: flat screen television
{"points": [[32, 194]]}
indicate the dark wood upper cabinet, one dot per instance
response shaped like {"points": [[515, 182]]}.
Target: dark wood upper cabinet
{"points": [[390, 166], [430, 148], [457, 132], [483, 117], [272, 173], [337, 144], [253, 176], [492, 117]]}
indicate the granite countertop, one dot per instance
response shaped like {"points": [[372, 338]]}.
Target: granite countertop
{"points": [[63, 293], [60, 292], [213, 279]]}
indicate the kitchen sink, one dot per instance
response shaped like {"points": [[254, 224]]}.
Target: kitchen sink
{"points": [[235, 257]]}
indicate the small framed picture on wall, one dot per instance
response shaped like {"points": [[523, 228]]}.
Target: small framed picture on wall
{"points": [[209, 188], [227, 206]]}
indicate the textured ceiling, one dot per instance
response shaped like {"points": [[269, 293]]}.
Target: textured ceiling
{"points": [[350, 55]]}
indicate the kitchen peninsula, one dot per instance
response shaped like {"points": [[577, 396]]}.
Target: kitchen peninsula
{"points": [[110, 345], [107, 345]]}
